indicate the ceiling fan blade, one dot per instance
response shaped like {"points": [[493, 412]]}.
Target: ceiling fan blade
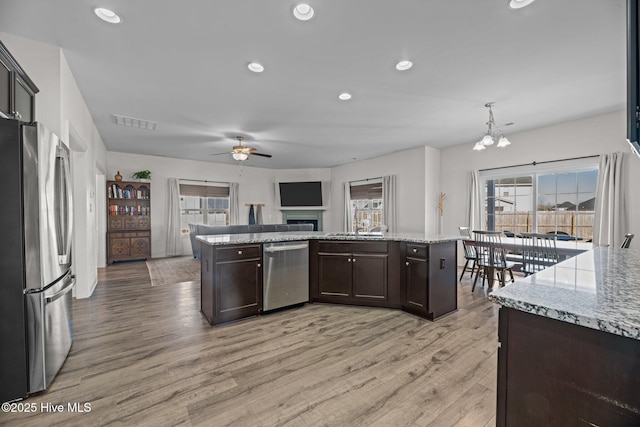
{"points": [[253, 153], [220, 154]]}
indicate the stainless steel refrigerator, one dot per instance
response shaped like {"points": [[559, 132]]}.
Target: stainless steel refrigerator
{"points": [[36, 279]]}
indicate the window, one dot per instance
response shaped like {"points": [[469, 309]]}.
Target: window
{"points": [[558, 198], [367, 199], [203, 204]]}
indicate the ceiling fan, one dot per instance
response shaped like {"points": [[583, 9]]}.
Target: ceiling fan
{"points": [[241, 152]]}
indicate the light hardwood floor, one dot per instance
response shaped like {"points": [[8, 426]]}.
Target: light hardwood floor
{"points": [[144, 355]]}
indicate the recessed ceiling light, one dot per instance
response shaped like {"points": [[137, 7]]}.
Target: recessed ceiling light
{"points": [[303, 12], [107, 15], [344, 96], [255, 67], [404, 65], [518, 4]]}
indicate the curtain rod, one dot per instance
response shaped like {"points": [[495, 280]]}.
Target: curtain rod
{"points": [[366, 179], [203, 180], [534, 163]]}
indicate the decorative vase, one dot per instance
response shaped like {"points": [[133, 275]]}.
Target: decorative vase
{"points": [[118, 177]]}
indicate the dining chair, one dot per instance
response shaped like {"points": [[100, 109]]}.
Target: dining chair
{"points": [[470, 254], [538, 252], [627, 240], [491, 257]]}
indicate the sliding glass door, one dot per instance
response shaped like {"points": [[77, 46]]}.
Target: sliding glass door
{"points": [[542, 200]]}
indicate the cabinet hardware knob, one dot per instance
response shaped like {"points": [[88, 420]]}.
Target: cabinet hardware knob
{"points": [[348, 259], [259, 265], [239, 252], [415, 250], [407, 263], [354, 260]]}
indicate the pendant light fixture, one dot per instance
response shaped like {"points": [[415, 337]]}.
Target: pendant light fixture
{"points": [[491, 135]]}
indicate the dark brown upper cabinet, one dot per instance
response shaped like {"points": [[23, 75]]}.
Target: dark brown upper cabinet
{"points": [[17, 90]]}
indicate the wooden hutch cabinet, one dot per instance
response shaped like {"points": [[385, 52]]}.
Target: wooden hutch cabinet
{"points": [[128, 221]]}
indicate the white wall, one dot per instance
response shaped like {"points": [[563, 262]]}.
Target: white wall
{"points": [[585, 137], [431, 190], [256, 186], [61, 107], [409, 168]]}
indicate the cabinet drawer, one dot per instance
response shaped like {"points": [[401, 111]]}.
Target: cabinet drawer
{"points": [[238, 252], [417, 251], [352, 247]]}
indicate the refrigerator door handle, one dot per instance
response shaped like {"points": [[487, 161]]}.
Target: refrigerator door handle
{"points": [[65, 212], [62, 291]]}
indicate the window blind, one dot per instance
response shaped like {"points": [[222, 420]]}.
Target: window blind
{"points": [[366, 191], [203, 190]]}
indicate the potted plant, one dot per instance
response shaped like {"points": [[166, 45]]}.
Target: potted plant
{"points": [[145, 174]]}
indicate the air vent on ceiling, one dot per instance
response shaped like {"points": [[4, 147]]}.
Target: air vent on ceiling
{"points": [[133, 122]]}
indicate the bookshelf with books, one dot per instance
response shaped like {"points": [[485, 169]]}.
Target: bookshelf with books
{"points": [[128, 221]]}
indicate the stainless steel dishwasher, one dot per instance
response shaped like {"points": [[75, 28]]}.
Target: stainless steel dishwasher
{"points": [[286, 274]]}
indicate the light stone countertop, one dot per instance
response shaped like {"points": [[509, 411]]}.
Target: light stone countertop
{"points": [[232, 239], [599, 289]]}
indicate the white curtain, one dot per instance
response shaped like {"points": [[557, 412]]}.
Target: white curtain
{"points": [[474, 202], [234, 204], [389, 203], [259, 214], [347, 221], [609, 223], [174, 232]]}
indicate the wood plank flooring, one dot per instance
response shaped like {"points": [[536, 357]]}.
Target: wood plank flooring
{"points": [[144, 355]]}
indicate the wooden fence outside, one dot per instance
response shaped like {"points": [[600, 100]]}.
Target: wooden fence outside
{"points": [[573, 223]]}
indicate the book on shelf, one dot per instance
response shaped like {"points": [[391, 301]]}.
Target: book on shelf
{"points": [[115, 192], [116, 210]]}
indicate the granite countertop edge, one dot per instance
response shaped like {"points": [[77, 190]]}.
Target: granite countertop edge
{"points": [[230, 239], [596, 289], [613, 327]]}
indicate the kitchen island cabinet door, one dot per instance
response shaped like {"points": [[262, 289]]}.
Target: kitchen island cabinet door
{"points": [[555, 373], [334, 281], [414, 294], [369, 276], [231, 282], [238, 289], [443, 284]]}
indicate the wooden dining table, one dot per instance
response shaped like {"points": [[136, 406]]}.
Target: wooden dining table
{"points": [[565, 248], [514, 246]]}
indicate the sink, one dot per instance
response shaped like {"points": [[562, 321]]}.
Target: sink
{"points": [[368, 235]]}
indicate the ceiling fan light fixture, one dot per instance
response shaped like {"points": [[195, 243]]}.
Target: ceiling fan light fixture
{"points": [[240, 156], [107, 15], [344, 96], [256, 67], [519, 4], [404, 65], [303, 12]]}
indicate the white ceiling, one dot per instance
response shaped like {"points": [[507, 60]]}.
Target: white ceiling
{"points": [[183, 65]]}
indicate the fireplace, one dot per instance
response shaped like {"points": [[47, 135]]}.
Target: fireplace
{"points": [[303, 217]]}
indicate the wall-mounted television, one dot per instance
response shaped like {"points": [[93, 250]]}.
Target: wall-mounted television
{"points": [[633, 74], [300, 194]]}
